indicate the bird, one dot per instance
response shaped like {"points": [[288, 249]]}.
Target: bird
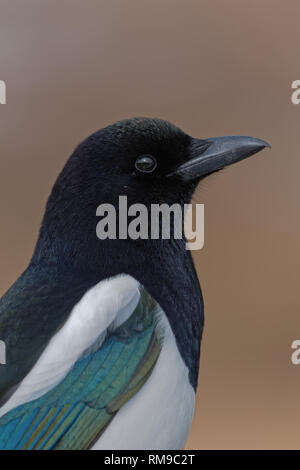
{"points": [[103, 336]]}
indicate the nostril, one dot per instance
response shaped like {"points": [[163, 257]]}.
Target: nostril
{"points": [[199, 146]]}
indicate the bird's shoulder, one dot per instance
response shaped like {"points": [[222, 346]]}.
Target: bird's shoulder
{"points": [[95, 363], [31, 311]]}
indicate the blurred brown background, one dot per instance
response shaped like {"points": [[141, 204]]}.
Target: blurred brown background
{"points": [[213, 67]]}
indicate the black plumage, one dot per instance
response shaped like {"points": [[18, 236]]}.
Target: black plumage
{"points": [[69, 259]]}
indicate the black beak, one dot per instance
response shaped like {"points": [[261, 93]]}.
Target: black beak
{"points": [[213, 154]]}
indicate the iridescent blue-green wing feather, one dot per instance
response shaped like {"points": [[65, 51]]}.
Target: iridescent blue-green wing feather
{"points": [[74, 413]]}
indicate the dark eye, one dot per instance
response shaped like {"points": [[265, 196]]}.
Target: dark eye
{"points": [[145, 163]]}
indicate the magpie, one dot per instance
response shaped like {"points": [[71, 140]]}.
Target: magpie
{"points": [[103, 336]]}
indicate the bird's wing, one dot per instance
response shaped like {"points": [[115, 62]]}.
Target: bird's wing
{"points": [[99, 359]]}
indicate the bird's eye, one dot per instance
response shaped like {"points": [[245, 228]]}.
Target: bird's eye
{"points": [[145, 164]]}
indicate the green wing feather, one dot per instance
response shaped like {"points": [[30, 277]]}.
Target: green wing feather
{"points": [[75, 413]]}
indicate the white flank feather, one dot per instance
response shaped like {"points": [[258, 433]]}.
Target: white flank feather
{"points": [[89, 320]]}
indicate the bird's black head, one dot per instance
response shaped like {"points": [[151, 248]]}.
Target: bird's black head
{"points": [[148, 160], [134, 157]]}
